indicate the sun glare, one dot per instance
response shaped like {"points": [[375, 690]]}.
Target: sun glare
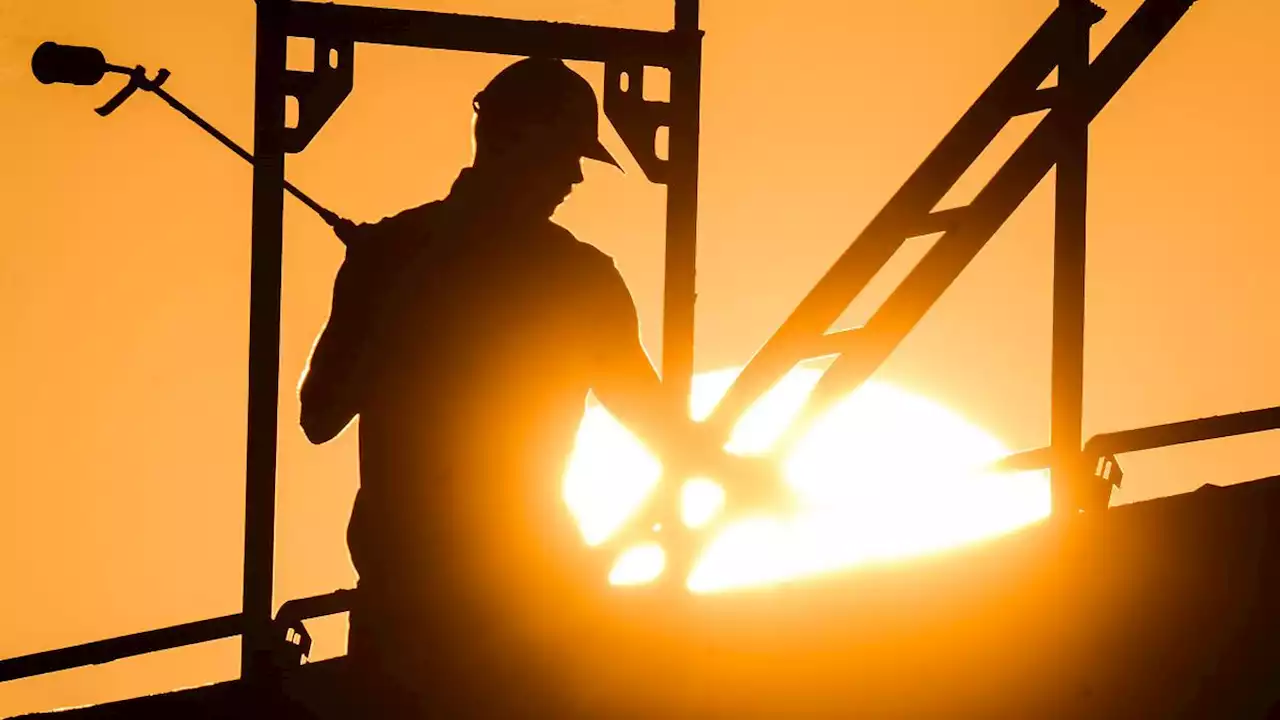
{"points": [[639, 565], [884, 475], [700, 500]]}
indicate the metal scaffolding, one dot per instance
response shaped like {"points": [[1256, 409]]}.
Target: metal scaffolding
{"points": [[335, 29], [1060, 141]]}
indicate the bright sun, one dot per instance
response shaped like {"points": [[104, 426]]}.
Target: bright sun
{"points": [[884, 475]]}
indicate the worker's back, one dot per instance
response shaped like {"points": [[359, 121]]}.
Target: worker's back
{"points": [[488, 332], [483, 364], [465, 334]]}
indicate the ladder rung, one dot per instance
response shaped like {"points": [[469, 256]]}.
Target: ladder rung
{"points": [[834, 343], [1042, 99], [940, 221]]}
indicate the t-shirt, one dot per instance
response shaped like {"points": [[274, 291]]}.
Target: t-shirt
{"points": [[485, 335]]}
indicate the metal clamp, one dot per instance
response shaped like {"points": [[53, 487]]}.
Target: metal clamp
{"points": [[319, 91], [1108, 468], [1096, 489], [137, 81], [293, 642], [637, 120]]}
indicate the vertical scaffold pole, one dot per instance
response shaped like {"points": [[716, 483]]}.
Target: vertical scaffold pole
{"points": [[680, 270], [1067, 401], [264, 335]]}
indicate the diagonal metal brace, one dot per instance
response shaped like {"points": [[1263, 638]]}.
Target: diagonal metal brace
{"points": [[320, 91]]}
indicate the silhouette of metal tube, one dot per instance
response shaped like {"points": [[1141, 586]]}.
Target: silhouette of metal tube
{"points": [[265, 268], [329, 216], [100, 652], [1187, 431], [687, 14], [105, 651], [1152, 437], [501, 36], [1069, 249]]}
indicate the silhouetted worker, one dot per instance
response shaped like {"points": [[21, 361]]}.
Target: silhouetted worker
{"points": [[466, 333]]}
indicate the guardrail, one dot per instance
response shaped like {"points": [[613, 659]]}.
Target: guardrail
{"points": [[1102, 448], [295, 641]]}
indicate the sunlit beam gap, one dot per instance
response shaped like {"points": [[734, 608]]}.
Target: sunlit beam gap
{"points": [[638, 565], [884, 475], [701, 499]]}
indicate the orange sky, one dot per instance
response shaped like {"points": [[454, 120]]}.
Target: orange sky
{"points": [[124, 273]]}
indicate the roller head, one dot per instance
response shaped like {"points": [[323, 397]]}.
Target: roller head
{"points": [[54, 63]]}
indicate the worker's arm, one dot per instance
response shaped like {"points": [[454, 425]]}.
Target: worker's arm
{"points": [[372, 283], [628, 387], [333, 385]]}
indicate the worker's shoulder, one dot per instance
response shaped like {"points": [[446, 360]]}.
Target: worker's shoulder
{"points": [[422, 217], [389, 238], [591, 257]]}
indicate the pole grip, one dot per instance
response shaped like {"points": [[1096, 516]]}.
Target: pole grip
{"points": [[72, 64]]}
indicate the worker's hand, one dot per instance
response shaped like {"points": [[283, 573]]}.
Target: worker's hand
{"points": [[349, 232]]}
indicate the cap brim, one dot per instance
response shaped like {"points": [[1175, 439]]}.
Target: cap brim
{"points": [[596, 151]]}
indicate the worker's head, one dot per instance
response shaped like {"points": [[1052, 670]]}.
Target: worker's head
{"points": [[534, 123]]}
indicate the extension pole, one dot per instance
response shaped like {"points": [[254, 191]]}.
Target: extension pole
{"points": [[325, 214], [81, 65]]}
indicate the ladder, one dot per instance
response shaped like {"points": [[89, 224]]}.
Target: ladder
{"points": [[1061, 139]]}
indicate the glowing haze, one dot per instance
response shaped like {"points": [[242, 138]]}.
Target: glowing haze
{"points": [[884, 475]]}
